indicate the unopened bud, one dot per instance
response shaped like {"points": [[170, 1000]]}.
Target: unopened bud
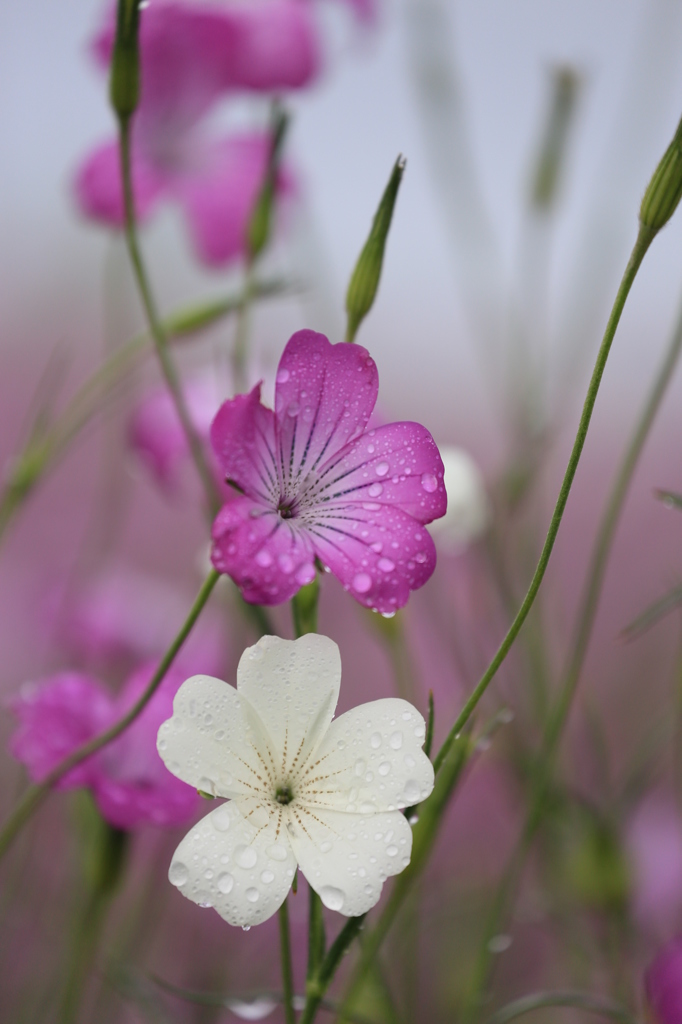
{"points": [[364, 281], [124, 83], [665, 188], [260, 224]]}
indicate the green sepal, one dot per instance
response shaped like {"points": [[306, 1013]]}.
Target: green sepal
{"points": [[124, 81], [665, 188]]}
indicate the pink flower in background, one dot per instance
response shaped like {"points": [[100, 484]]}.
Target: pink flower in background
{"points": [[654, 840], [663, 982], [129, 782], [317, 484], [126, 616], [191, 56]]}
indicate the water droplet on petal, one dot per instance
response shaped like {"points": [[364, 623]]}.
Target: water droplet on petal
{"points": [[411, 792], [375, 490], [220, 819], [225, 882], [375, 740], [396, 740], [282, 376], [263, 558], [245, 856], [386, 565], [429, 483], [391, 851], [277, 852], [252, 895], [331, 897], [293, 410], [267, 877], [384, 768], [325, 847], [382, 469], [362, 583], [178, 873], [360, 766]]}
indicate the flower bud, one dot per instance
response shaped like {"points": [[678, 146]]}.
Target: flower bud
{"points": [[124, 83], [260, 223], [663, 984], [665, 188], [365, 278]]}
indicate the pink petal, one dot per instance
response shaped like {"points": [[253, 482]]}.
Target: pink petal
{"points": [[219, 191], [243, 438], [278, 45], [56, 716], [397, 464], [268, 558], [99, 192], [663, 983], [324, 396], [378, 552], [134, 786]]}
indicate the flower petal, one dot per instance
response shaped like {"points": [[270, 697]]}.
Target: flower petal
{"points": [[294, 687], [346, 858], [324, 396], [56, 717], [218, 192], [243, 871], [397, 464], [99, 192], [243, 439], [373, 759], [269, 558], [278, 45], [378, 552], [207, 743]]}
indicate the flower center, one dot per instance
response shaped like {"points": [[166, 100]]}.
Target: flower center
{"points": [[287, 508], [283, 795]]}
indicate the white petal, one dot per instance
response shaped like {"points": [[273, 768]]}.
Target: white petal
{"points": [[242, 871], [347, 857], [293, 685], [371, 760], [208, 744]]}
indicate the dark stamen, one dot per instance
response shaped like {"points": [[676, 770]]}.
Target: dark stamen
{"points": [[283, 795]]}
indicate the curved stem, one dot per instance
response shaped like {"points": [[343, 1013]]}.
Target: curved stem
{"points": [[580, 1000], [287, 970], [156, 327], [36, 794], [644, 239]]}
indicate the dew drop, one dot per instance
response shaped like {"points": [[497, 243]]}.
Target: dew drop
{"points": [[396, 740], [263, 558], [499, 943], [375, 740], [386, 565], [412, 791], [382, 469], [286, 563], [282, 376], [325, 847], [360, 766], [246, 927], [375, 490], [220, 819], [331, 897], [429, 482], [178, 873], [384, 768], [391, 851], [252, 895], [277, 852], [225, 882], [267, 877], [293, 410], [245, 856], [362, 583]]}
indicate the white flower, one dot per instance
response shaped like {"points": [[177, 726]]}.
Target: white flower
{"points": [[303, 789], [468, 512]]}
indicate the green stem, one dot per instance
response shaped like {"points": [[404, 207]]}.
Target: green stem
{"points": [[155, 324], [580, 1000], [304, 608], [644, 239], [287, 970], [241, 334], [36, 794], [316, 934], [316, 987]]}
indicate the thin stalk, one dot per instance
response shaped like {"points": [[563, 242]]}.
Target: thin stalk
{"points": [[644, 238], [583, 631], [241, 334], [36, 794], [287, 969], [579, 1000], [155, 324]]}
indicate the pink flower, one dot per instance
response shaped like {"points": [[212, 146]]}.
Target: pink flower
{"points": [[317, 484], [192, 55], [129, 782], [663, 982], [654, 841]]}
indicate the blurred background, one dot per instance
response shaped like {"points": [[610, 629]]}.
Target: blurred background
{"points": [[490, 311]]}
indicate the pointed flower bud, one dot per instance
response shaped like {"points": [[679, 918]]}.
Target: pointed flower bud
{"points": [[260, 224], [665, 188], [365, 279], [124, 83]]}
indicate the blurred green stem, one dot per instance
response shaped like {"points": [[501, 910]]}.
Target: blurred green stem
{"points": [[37, 793], [156, 327], [644, 238], [287, 970]]}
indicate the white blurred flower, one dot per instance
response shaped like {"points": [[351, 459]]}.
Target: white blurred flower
{"points": [[303, 789], [468, 512]]}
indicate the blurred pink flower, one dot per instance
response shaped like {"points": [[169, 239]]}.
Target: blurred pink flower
{"points": [[192, 54], [317, 484], [156, 434], [654, 841], [129, 782], [663, 983], [126, 616]]}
